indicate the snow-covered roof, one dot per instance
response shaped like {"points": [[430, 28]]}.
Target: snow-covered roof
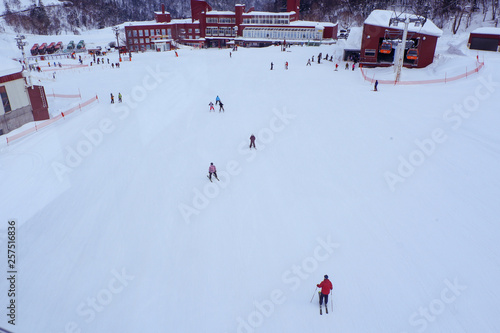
{"points": [[220, 12], [382, 18], [175, 21], [312, 24], [487, 31], [267, 13], [9, 66], [158, 13]]}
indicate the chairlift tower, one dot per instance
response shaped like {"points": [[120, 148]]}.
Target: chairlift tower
{"points": [[116, 30], [21, 44], [400, 51]]}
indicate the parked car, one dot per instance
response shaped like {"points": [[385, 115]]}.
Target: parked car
{"points": [[59, 46], [34, 49], [71, 45], [80, 45], [42, 49], [343, 34], [51, 48]]}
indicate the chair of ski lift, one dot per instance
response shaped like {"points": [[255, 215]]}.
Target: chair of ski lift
{"points": [[386, 47], [412, 54]]}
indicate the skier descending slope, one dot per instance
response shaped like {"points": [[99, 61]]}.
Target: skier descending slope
{"points": [[326, 286], [212, 170]]}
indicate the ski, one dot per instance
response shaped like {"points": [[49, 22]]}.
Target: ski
{"points": [[320, 308], [210, 179], [326, 308]]}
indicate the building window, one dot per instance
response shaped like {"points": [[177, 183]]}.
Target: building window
{"points": [[140, 33], [141, 40], [147, 40], [157, 32], [163, 32], [146, 33], [169, 31], [212, 20], [5, 99], [182, 31], [190, 31], [152, 32], [135, 41], [369, 53], [129, 33], [134, 33], [197, 31]]}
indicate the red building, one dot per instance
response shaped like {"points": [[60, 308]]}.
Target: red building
{"points": [[21, 104], [486, 39], [380, 40], [211, 28]]}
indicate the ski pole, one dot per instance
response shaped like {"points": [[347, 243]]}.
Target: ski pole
{"points": [[313, 294], [331, 298]]}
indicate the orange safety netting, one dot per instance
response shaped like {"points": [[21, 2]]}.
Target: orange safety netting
{"points": [[479, 65], [50, 121]]}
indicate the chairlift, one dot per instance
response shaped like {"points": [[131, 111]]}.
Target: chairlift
{"points": [[386, 47], [412, 54]]}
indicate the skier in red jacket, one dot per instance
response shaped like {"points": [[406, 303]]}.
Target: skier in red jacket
{"points": [[326, 286]]}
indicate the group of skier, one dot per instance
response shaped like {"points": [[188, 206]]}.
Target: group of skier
{"points": [[217, 101], [113, 98]]}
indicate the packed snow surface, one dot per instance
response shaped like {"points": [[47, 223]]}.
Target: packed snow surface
{"points": [[393, 194]]}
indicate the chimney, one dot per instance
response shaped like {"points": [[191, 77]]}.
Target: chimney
{"points": [[162, 8]]}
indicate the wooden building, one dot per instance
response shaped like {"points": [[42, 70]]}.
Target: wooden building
{"points": [[20, 103], [211, 28], [380, 39], [486, 39]]}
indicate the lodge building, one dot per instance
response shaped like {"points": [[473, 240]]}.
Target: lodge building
{"points": [[381, 37], [212, 28], [20, 103]]}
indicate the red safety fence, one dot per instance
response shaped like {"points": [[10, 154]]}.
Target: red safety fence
{"points": [[51, 120], [63, 95], [479, 65], [65, 67]]}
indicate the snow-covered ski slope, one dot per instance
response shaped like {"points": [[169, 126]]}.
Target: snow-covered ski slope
{"points": [[393, 194]]}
